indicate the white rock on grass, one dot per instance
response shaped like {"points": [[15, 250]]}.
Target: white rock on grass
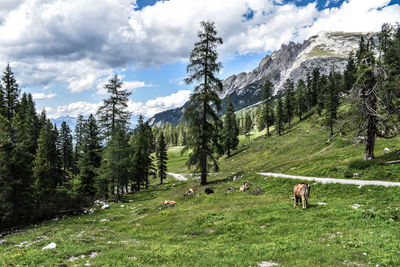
{"points": [[106, 206], [104, 220], [321, 203], [387, 149], [52, 245], [267, 264], [3, 242], [356, 206]]}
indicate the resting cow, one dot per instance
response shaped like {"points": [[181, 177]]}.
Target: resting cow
{"points": [[301, 192]]}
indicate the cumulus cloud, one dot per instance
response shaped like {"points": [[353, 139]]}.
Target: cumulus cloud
{"points": [[78, 43], [41, 96], [147, 109]]}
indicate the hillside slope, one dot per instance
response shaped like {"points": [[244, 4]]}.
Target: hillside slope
{"points": [[343, 225]]}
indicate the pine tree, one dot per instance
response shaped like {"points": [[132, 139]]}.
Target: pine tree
{"points": [[90, 159], [332, 101], [267, 92], [315, 85], [309, 92], [79, 133], [248, 124], [113, 111], [280, 116], [202, 67], [11, 93], [162, 157], [321, 93], [230, 130], [142, 161], [66, 147], [301, 101], [289, 100]]}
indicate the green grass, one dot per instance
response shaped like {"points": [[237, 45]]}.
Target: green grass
{"points": [[240, 229], [223, 229], [323, 52]]}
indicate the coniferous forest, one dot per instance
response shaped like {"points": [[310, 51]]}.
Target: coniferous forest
{"points": [[47, 170]]}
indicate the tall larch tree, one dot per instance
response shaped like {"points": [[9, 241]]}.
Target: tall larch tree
{"points": [[230, 130], [114, 108], [204, 102], [267, 93]]}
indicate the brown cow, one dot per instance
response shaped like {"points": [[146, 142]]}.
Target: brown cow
{"points": [[301, 192]]}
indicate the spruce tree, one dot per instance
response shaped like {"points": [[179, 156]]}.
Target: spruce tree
{"points": [[315, 85], [162, 157], [115, 165], [349, 73], [279, 114], [11, 93], [204, 100], [15, 172], [301, 100], [113, 111], [66, 147], [267, 92], [90, 159], [79, 133], [230, 130], [321, 93], [248, 124], [289, 100]]}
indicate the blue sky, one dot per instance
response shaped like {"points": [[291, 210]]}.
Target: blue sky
{"points": [[63, 52]]}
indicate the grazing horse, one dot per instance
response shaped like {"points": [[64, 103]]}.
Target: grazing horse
{"points": [[301, 192]]}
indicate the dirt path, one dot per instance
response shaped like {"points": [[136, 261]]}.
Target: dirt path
{"points": [[360, 183], [178, 176]]}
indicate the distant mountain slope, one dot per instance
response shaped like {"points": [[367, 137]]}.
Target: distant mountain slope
{"points": [[326, 50]]}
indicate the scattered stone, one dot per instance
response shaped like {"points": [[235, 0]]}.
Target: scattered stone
{"points": [[105, 206], [3, 242], [104, 220], [262, 226], [208, 190], [93, 254], [52, 245], [41, 237], [109, 242], [22, 244], [87, 263], [356, 206], [72, 259], [267, 264], [355, 174], [321, 203], [122, 206], [365, 254], [123, 241], [99, 203], [387, 149], [307, 131]]}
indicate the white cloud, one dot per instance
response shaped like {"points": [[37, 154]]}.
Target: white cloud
{"points": [[148, 109], [73, 109], [79, 43], [41, 96]]}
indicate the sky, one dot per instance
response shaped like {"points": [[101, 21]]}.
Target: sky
{"points": [[64, 52]]}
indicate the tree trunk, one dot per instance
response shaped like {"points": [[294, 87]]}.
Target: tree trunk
{"points": [[229, 152], [371, 136]]}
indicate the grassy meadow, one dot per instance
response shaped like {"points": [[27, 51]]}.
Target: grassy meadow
{"points": [[343, 226]]}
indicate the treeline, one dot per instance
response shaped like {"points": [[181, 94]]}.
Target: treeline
{"points": [[44, 173]]}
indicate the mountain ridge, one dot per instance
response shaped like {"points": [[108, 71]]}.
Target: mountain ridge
{"points": [[325, 50]]}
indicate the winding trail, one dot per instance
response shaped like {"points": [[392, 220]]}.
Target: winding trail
{"points": [[360, 183], [178, 176]]}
